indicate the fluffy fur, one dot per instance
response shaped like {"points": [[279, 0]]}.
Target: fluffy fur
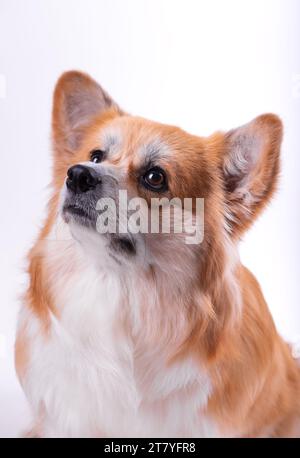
{"points": [[174, 340]]}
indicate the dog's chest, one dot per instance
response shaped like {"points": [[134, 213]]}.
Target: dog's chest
{"points": [[91, 380]]}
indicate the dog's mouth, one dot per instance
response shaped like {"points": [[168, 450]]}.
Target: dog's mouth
{"points": [[118, 244], [81, 215], [75, 210]]}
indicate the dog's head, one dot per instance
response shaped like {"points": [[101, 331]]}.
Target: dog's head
{"points": [[102, 156]]}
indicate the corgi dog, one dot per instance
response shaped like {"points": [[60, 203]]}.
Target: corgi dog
{"points": [[142, 333]]}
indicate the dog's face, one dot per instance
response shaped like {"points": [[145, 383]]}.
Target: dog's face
{"points": [[103, 156], [141, 161]]}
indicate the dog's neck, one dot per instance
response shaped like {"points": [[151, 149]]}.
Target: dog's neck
{"points": [[156, 305]]}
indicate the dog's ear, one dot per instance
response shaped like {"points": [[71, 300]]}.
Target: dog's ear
{"points": [[77, 100], [250, 167]]}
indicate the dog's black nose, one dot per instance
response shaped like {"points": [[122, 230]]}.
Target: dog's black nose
{"points": [[81, 179]]}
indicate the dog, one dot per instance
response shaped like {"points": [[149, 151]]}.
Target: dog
{"points": [[142, 334]]}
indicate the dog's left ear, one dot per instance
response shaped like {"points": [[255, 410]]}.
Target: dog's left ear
{"points": [[250, 167]]}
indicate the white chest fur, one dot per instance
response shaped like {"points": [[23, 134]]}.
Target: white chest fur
{"points": [[89, 379]]}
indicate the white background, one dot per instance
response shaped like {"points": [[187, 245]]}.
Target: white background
{"points": [[203, 65]]}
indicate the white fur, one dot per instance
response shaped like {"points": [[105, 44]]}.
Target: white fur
{"points": [[95, 376]]}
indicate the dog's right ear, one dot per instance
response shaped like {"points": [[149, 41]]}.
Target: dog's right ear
{"points": [[77, 100]]}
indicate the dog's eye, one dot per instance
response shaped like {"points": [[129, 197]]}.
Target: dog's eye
{"points": [[97, 156], [155, 179]]}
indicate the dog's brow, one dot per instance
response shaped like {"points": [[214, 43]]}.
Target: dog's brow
{"points": [[153, 152], [110, 140]]}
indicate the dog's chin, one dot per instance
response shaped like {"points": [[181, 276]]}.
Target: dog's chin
{"points": [[105, 249], [76, 214]]}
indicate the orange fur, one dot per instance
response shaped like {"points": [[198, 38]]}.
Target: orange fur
{"points": [[256, 382]]}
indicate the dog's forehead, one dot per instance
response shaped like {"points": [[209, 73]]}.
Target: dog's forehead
{"points": [[136, 139]]}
